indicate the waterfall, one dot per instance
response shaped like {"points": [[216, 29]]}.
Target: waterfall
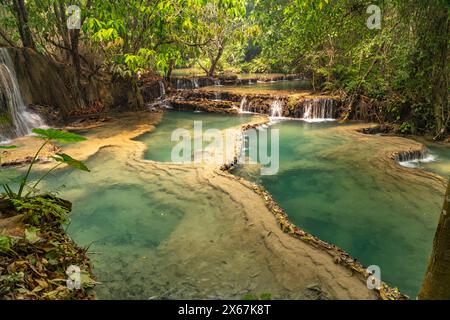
{"points": [[195, 81], [15, 120], [311, 110], [276, 110], [413, 158], [318, 110], [162, 89], [217, 96], [217, 83], [242, 107], [187, 83]]}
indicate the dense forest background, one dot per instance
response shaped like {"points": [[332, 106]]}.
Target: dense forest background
{"points": [[396, 72]]}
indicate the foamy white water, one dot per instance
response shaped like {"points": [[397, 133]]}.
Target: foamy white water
{"points": [[22, 121]]}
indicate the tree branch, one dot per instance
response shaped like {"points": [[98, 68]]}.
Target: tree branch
{"points": [[6, 38]]}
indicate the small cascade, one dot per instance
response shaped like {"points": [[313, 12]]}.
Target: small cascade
{"points": [[318, 110], [195, 82], [413, 158], [217, 96], [162, 89], [243, 106], [186, 83], [15, 119], [276, 109], [217, 83]]}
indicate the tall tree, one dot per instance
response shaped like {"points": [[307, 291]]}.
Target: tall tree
{"points": [[436, 285], [21, 13], [441, 62], [219, 24], [75, 55]]}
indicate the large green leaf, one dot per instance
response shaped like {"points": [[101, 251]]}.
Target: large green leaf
{"points": [[5, 244], [58, 135], [64, 158]]}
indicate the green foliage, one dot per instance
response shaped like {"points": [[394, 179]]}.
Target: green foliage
{"points": [[257, 65], [406, 128], [292, 102], [47, 135], [404, 64], [41, 210], [264, 296], [5, 244], [66, 159], [58, 135]]}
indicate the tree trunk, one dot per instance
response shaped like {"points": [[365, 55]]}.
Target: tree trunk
{"points": [[61, 24], [440, 71], [22, 23], [76, 61], [170, 69], [436, 285], [214, 61]]}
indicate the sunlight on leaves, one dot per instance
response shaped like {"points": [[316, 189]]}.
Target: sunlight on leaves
{"points": [[58, 135], [66, 159]]}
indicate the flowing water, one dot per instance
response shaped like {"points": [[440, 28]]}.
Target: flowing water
{"points": [[276, 110], [15, 119], [162, 89], [334, 187], [319, 110], [436, 159], [314, 110]]}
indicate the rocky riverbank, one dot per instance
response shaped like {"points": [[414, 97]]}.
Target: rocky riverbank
{"points": [[36, 253], [293, 105]]}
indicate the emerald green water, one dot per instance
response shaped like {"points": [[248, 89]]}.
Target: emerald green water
{"points": [[441, 164], [330, 185], [159, 142], [159, 231]]}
